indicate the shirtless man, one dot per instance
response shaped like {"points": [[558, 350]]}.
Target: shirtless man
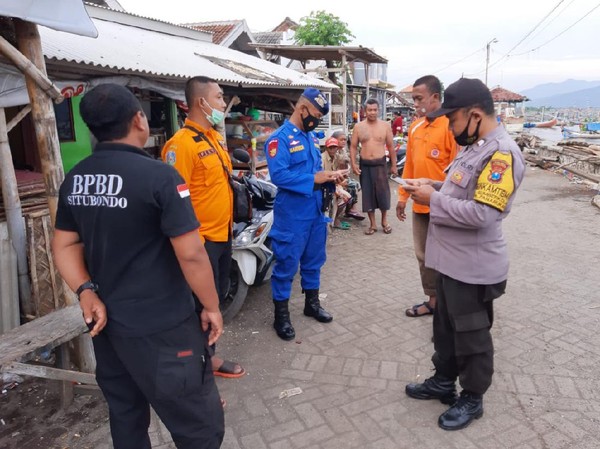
{"points": [[374, 136]]}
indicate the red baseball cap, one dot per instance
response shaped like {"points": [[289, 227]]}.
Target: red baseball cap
{"points": [[332, 142]]}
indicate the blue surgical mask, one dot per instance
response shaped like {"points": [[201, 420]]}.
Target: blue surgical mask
{"points": [[215, 117]]}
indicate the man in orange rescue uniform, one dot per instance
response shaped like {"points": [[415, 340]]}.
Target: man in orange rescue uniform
{"points": [[429, 150], [199, 154]]}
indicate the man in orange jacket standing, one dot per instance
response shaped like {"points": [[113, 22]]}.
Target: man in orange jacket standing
{"points": [[198, 152], [429, 150]]}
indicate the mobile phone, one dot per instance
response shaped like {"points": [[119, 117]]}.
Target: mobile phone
{"points": [[399, 180]]}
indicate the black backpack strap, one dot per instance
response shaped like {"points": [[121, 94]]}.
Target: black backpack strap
{"points": [[201, 137]]}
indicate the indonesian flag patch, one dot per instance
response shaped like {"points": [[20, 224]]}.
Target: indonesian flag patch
{"points": [[183, 190]]}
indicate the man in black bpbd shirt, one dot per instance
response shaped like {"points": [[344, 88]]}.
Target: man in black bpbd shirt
{"points": [[127, 243]]}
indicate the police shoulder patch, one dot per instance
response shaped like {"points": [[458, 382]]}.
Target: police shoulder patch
{"points": [[272, 147], [496, 184]]}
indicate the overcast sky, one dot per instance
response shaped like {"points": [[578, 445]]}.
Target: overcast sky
{"points": [[420, 38]]}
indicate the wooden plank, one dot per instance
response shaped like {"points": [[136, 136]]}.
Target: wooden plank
{"points": [[47, 372], [47, 332]]}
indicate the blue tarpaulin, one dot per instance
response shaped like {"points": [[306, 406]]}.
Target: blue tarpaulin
{"points": [[593, 126]]}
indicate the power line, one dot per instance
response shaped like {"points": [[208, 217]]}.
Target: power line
{"points": [[552, 20], [460, 60], [528, 34], [562, 32]]}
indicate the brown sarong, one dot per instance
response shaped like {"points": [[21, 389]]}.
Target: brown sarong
{"points": [[375, 185]]}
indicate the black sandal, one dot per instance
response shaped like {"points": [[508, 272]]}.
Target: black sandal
{"points": [[413, 311]]}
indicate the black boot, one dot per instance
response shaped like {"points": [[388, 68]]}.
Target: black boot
{"points": [[436, 387], [312, 307], [282, 323], [468, 407]]}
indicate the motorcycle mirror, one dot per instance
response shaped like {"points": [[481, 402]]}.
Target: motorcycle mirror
{"points": [[241, 155]]}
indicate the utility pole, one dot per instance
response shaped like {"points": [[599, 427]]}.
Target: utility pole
{"points": [[487, 58]]}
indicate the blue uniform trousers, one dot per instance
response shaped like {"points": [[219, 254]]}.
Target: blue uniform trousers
{"points": [[302, 242]]}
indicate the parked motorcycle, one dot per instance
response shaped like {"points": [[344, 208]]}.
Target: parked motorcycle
{"points": [[400, 149], [252, 256]]}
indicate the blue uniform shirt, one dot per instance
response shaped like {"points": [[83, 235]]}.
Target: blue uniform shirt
{"points": [[293, 158]]}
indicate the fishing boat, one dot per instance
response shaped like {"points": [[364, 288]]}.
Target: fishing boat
{"points": [[568, 134], [548, 124]]}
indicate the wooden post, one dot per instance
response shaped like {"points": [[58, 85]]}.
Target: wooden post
{"points": [[42, 112], [44, 120], [14, 216]]}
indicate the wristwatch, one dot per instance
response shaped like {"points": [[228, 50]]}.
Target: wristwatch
{"points": [[88, 285]]}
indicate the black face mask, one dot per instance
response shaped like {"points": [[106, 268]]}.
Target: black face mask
{"points": [[463, 139], [309, 122]]}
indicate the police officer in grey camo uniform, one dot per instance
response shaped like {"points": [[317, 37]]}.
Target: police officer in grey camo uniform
{"points": [[466, 246]]}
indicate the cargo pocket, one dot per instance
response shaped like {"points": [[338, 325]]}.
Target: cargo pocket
{"points": [[298, 157], [179, 373], [285, 249], [472, 333], [213, 169]]}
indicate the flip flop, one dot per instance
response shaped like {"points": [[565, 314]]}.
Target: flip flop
{"points": [[387, 229], [344, 226], [370, 231], [355, 216], [413, 311], [227, 370]]}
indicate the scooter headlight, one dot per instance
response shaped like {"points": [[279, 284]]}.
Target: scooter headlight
{"points": [[259, 230], [248, 235]]}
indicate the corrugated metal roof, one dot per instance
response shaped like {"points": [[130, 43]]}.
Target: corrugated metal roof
{"points": [[126, 48]]}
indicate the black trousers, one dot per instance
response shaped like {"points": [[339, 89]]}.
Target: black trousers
{"points": [[169, 370], [461, 332], [219, 254]]}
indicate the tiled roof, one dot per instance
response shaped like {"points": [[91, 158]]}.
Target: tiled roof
{"points": [[269, 37], [501, 94], [219, 30], [286, 24]]}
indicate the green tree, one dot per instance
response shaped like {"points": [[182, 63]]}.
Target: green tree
{"points": [[323, 28]]}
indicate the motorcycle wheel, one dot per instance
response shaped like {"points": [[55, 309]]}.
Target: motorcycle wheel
{"points": [[236, 294]]}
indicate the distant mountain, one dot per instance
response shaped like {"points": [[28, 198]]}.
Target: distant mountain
{"points": [[552, 89], [584, 98]]}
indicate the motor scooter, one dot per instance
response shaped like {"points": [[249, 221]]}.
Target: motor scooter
{"points": [[400, 148], [252, 258]]}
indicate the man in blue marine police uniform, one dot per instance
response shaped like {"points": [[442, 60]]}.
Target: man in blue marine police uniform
{"points": [[299, 230], [127, 243], [466, 247]]}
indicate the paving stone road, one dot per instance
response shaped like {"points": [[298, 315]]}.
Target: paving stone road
{"points": [[546, 388]]}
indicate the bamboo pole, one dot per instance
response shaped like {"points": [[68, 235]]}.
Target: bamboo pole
{"points": [[17, 118], [14, 216], [42, 113], [28, 68]]}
